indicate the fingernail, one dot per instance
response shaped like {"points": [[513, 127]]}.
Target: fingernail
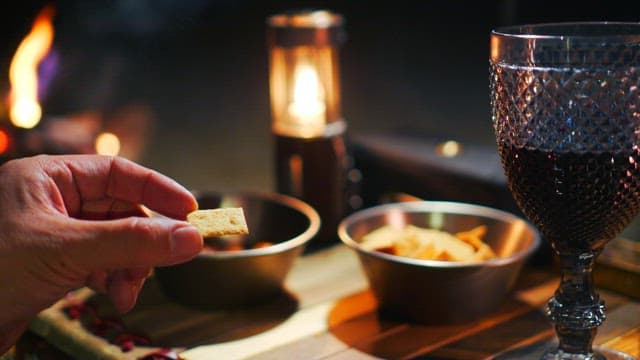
{"points": [[186, 242]]}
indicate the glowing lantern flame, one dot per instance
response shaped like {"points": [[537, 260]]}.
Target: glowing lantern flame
{"points": [[308, 96], [107, 144], [25, 111]]}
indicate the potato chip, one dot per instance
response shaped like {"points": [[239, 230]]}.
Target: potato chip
{"points": [[429, 244]]}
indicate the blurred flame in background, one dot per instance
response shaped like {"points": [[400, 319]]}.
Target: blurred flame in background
{"points": [[107, 144], [120, 131], [24, 108], [4, 141]]}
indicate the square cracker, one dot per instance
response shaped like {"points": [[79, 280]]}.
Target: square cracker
{"points": [[219, 222]]}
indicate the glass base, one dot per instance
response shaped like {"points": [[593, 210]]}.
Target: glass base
{"points": [[542, 351]]}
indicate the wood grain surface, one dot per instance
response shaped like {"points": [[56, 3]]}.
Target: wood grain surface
{"points": [[327, 312]]}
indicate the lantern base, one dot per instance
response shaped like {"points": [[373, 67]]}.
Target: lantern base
{"points": [[315, 171]]}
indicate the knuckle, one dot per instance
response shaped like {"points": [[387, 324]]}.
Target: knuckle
{"points": [[150, 242]]}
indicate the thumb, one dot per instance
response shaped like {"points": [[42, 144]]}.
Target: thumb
{"points": [[134, 242]]}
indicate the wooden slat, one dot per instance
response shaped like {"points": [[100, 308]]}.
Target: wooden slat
{"points": [[330, 274], [484, 344], [628, 342], [306, 322], [328, 312], [350, 321], [416, 339], [309, 283], [367, 333], [620, 330]]}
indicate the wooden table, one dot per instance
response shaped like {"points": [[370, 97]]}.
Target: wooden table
{"points": [[328, 313]]}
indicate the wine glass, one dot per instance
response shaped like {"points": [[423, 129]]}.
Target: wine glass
{"points": [[565, 101]]}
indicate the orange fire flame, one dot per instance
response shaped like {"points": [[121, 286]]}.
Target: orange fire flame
{"points": [[4, 141], [24, 108]]}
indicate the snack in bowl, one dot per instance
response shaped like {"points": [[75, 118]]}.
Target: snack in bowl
{"points": [[441, 292], [234, 271], [429, 244], [219, 222]]}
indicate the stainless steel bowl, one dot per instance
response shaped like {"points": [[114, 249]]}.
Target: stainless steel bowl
{"points": [[227, 279], [441, 292]]}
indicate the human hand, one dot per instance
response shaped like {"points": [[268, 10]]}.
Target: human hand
{"points": [[77, 220]]}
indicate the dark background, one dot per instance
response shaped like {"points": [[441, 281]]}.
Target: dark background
{"points": [[201, 67]]}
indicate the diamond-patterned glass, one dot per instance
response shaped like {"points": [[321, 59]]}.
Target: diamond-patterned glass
{"points": [[566, 115]]}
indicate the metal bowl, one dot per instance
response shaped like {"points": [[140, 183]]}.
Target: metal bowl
{"points": [[228, 279], [441, 292]]}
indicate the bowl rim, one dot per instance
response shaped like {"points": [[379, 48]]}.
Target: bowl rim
{"points": [[450, 207], [289, 201]]}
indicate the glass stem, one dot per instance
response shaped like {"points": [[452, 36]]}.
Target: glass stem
{"points": [[576, 308]]}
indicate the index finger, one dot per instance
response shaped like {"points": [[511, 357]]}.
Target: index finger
{"points": [[125, 180]]}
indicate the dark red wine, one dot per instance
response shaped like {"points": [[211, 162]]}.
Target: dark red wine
{"points": [[577, 200]]}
